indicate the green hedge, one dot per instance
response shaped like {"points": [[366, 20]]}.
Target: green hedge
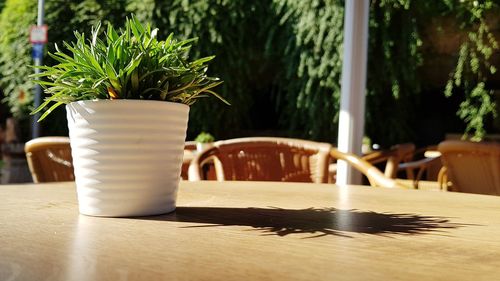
{"points": [[280, 60], [15, 54]]}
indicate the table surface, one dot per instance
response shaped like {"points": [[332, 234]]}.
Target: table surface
{"points": [[254, 231]]}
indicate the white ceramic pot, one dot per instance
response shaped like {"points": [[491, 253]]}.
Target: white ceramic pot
{"points": [[127, 155]]}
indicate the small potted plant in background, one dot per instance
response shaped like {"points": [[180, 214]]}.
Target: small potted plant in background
{"points": [[127, 98], [203, 141]]}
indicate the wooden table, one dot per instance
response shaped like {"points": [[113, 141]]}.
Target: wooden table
{"points": [[254, 231]]}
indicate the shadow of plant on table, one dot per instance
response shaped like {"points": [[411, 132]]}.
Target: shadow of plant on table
{"points": [[317, 222]]}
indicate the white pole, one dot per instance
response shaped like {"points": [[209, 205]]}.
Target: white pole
{"points": [[35, 130], [352, 100]]}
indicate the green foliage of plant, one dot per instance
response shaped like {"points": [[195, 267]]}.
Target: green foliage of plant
{"points": [[308, 43], [61, 16], [143, 10], [128, 64], [311, 35], [204, 137], [234, 32], [15, 55], [288, 53], [473, 67], [393, 85]]}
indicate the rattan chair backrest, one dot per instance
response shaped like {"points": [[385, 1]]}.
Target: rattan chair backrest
{"points": [[49, 159], [266, 159], [472, 167], [278, 159]]}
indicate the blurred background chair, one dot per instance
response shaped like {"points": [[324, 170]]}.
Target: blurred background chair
{"points": [[265, 159], [189, 153], [278, 159], [387, 160], [470, 166], [421, 171], [190, 145], [373, 174], [391, 158], [49, 159]]}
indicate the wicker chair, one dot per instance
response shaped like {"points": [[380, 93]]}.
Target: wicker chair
{"points": [[265, 159], [392, 157], [389, 159], [374, 175], [49, 159], [278, 159], [423, 168], [401, 158], [471, 167]]}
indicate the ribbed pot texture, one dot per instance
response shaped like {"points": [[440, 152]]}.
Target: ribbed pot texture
{"points": [[127, 155]]}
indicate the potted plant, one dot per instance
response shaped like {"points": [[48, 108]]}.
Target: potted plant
{"points": [[203, 141], [127, 98]]}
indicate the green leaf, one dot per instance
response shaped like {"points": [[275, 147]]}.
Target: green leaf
{"points": [[50, 110], [131, 61], [202, 61]]}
